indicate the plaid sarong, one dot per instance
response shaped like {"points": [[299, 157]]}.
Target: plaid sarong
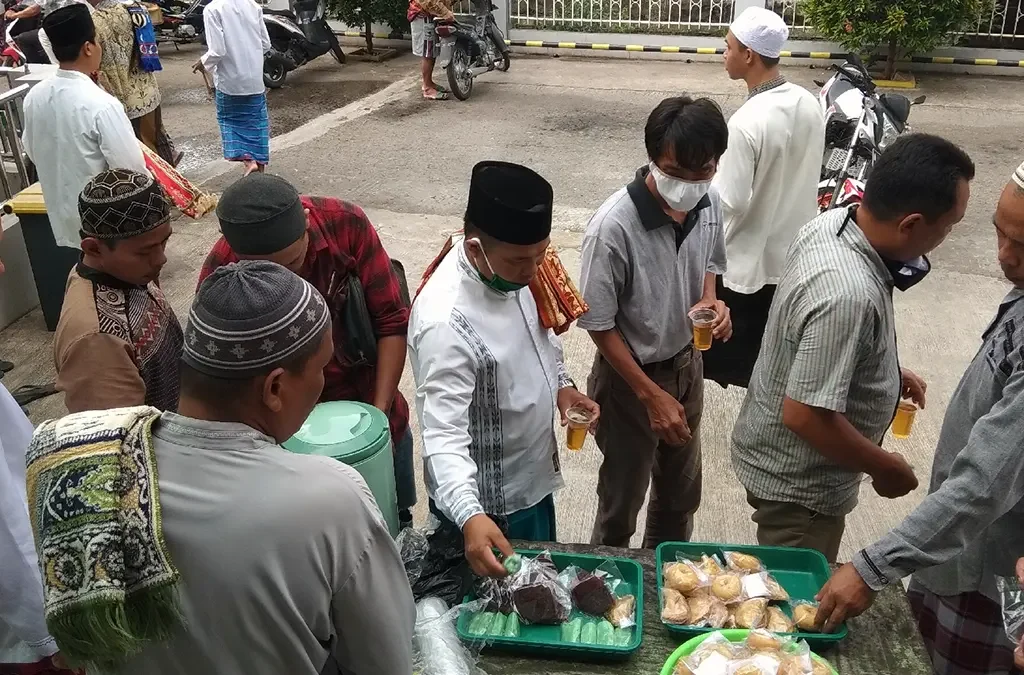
{"points": [[963, 633], [244, 127], [559, 302]]}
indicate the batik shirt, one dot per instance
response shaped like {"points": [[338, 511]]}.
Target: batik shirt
{"points": [[116, 345], [120, 72], [487, 380]]}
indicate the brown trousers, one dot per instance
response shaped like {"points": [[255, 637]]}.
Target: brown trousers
{"points": [[634, 456], [795, 526]]}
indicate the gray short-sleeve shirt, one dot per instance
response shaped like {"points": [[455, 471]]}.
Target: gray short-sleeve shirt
{"points": [[830, 343], [639, 278]]}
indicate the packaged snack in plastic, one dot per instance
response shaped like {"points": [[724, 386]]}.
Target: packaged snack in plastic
{"points": [[711, 565], [623, 636], [571, 630], [778, 593], [756, 586], [699, 604], [749, 613], [713, 664], [588, 634], [605, 633], [760, 640], [727, 587], [513, 563], [718, 615], [623, 612], [511, 626], [758, 664], [537, 594], [805, 615], [437, 649], [796, 658], [497, 628], [743, 562], [675, 609], [496, 592], [716, 643], [684, 576], [778, 622], [481, 623], [1011, 598]]}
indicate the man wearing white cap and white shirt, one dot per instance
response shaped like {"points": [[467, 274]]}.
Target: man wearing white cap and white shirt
{"points": [[768, 181]]}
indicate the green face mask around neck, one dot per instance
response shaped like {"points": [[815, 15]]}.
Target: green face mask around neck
{"points": [[496, 282]]}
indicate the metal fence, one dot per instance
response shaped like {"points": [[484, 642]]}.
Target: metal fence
{"points": [[643, 16], [790, 11], [13, 172], [1003, 20]]}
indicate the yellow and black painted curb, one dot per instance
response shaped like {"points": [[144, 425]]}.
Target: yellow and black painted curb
{"points": [[679, 49]]}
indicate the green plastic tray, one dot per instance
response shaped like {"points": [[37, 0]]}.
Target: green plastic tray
{"points": [[547, 640], [801, 571], [731, 634]]}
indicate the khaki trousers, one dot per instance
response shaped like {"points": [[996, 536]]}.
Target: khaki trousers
{"points": [[788, 524], [634, 457]]}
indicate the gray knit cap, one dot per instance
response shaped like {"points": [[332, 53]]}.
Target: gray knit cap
{"points": [[250, 317], [261, 214]]}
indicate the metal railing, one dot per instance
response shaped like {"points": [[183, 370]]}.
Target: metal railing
{"points": [[11, 152], [1003, 19], [790, 11], [647, 16]]}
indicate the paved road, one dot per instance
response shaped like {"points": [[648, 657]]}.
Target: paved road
{"points": [[579, 122]]}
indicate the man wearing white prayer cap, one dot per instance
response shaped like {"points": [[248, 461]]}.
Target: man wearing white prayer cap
{"points": [[768, 181]]}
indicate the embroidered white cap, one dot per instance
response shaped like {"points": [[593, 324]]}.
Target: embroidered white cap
{"points": [[761, 30]]}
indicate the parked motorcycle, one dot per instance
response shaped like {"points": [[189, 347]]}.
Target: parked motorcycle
{"points": [[468, 50], [859, 125], [20, 37], [182, 21], [298, 35]]}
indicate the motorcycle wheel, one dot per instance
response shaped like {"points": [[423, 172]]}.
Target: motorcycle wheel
{"points": [[460, 78], [274, 74]]}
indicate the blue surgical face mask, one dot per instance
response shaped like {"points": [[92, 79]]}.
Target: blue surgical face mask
{"points": [[496, 282]]}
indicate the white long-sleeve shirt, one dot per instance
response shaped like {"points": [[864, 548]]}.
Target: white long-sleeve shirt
{"points": [[236, 40], [23, 634], [73, 131], [768, 180], [487, 380]]}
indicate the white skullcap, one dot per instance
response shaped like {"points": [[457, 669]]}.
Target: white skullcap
{"points": [[1018, 176], [761, 30]]}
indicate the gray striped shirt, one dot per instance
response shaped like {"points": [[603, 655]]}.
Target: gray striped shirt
{"points": [[830, 343]]}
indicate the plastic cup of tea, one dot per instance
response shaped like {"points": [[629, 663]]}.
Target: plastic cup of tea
{"points": [[703, 320], [579, 419], [904, 419]]}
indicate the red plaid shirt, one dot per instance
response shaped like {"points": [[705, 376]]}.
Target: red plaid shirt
{"points": [[342, 241]]}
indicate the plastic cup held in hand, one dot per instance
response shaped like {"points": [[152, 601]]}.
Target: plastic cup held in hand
{"points": [[904, 420], [579, 419], [703, 320]]}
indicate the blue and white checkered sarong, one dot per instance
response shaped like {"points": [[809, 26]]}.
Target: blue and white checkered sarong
{"points": [[244, 127]]}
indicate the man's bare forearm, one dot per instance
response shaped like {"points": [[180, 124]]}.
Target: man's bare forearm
{"points": [[832, 435], [390, 364], [614, 350], [710, 294]]}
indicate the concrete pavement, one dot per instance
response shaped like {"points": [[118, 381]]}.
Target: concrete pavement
{"points": [[579, 122]]}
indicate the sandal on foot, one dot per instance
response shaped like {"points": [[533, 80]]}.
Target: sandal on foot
{"points": [[439, 95]]}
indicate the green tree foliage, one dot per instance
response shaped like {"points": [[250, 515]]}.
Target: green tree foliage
{"points": [[365, 13], [900, 27]]}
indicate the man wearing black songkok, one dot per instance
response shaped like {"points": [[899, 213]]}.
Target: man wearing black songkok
{"points": [[490, 378], [118, 342]]}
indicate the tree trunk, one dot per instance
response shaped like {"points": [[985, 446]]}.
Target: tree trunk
{"points": [[369, 38], [890, 60]]}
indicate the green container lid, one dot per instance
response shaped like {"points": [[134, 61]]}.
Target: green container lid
{"points": [[348, 431]]}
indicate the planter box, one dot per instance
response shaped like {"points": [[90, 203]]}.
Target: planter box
{"points": [[379, 54]]}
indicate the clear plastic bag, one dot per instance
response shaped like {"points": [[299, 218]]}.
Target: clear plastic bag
{"points": [[744, 563], [537, 594], [602, 593], [1011, 598], [437, 649], [684, 576], [805, 615], [413, 546]]}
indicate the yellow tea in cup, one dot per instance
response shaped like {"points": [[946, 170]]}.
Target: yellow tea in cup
{"points": [[702, 320], [576, 431], [904, 420]]}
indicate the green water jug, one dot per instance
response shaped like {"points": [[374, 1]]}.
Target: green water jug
{"points": [[358, 435]]}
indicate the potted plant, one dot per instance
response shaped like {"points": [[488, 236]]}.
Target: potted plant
{"points": [[897, 27]]}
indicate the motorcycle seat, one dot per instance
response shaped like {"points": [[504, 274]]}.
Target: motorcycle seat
{"points": [[284, 13]]}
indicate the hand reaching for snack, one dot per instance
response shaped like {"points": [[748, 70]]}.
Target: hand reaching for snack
{"points": [[482, 536]]}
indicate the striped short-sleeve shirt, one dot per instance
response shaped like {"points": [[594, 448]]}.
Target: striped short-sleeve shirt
{"points": [[830, 343]]}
